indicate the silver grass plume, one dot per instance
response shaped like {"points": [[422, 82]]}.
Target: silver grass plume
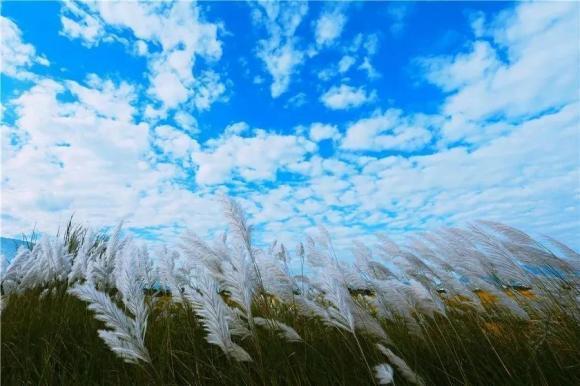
{"points": [[423, 299], [239, 279], [124, 336], [569, 253], [401, 366], [243, 232], [87, 251], [502, 298], [497, 257], [169, 277], [144, 266], [336, 294], [130, 283], [333, 280], [12, 276], [3, 303], [216, 316], [384, 373], [100, 269], [197, 250], [529, 250], [367, 324], [48, 261], [366, 265], [282, 329], [275, 278], [312, 308], [393, 300], [386, 247]]}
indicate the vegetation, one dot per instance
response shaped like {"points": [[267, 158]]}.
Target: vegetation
{"points": [[486, 305]]}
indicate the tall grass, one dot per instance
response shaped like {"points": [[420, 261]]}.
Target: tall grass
{"points": [[486, 305]]}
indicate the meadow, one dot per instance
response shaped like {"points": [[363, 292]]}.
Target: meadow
{"points": [[482, 305]]}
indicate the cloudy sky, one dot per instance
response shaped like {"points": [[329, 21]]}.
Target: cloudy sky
{"points": [[363, 117]]}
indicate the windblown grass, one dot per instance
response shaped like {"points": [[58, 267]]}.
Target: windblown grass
{"points": [[410, 315]]}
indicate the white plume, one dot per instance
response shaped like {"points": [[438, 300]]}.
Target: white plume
{"points": [[126, 336]]}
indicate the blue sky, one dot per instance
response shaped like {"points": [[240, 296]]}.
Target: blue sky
{"points": [[362, 117]]}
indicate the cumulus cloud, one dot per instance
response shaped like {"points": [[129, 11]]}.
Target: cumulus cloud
{"points": [[510, 179], [17, 56], [88, 154], [78, 23], [279, 51], [519, 167], [187, 122], [320, 131], [345, 63], [208, 90], [346, 97], [253, 158], [398, 13], [391, 130], [85, 154], [329, 26], [174, 143], [529, 80], [177, 28], [237, 128], [501, 180], [503, 145], [453, 73]]}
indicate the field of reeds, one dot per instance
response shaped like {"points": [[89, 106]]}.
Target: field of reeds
{"points": [[482, 305]]}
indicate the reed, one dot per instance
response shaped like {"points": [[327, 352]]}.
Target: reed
{"points": [[483, 305]]}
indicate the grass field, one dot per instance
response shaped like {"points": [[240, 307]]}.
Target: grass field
{"points": [[487, 305]]}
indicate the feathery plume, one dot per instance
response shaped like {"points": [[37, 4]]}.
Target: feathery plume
{"points": [[126, 336], [384, 373], [282, 329], [216, 317], [401, 365]]}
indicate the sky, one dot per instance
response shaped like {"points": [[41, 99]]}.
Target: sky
{"points": [[361, 117]]}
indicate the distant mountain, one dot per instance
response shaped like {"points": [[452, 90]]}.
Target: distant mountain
{"points": [[8, 247]]}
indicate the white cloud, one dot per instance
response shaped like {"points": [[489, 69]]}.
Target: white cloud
{"points": [[329, 27], [296, 101], [141, 48], [175, 143], [16, 55], [253, 158], [398, 13], [524, 179], [477, 23], [105, 98], [390, 130], [167, 87], [453, 73], [81, 24], [366, 65], [88, 156], [278, 51], [345, 63], [237, 128], [348, 61], [208, 90], [177, 27], [346, 97], [85, 155], [509, 96], [361, 49], [371, 44], [538, 70], [187, 122], [320, 131]]}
